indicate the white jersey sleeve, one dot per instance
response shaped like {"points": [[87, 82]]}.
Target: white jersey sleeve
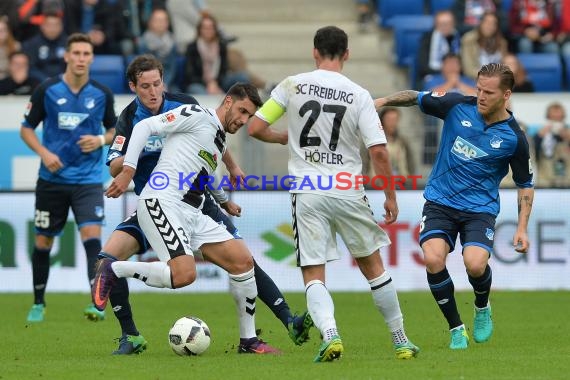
{"points": [[370, 126]]}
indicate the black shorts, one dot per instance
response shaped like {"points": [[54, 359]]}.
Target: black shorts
{"points": [[53, 201], [444, 222], [131, 224]]}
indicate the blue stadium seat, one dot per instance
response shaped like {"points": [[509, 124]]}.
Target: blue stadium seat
{"points": [[439, 5], [506, 5], [110, 71], [408, 31], [566, 60], [388, 9], [544, 70]]}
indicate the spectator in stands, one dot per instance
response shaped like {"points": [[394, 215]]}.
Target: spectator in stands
{"points": [[563, 37], [159, 41], [451, 78], [399, 150], [207, 62], [366, 13], [103, 21], [46, 50], [31, 14], [553, 149], [468, 14], [522, 83], [185, 16], [482, 45], [137, 13], [443, 39], [533, 26], [8, 45], [9, 9], [18, 81]]}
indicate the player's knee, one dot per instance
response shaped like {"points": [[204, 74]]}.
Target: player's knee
{"points": [[242, 264], [434, 263], [475, 269], [183, 278], [44, 242]]}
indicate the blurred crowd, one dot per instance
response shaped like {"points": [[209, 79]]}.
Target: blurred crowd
{"points": [[183, 34]]}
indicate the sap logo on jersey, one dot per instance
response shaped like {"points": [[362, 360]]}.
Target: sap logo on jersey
{"points": [[70, 120], [465, 150], [153, 144]]}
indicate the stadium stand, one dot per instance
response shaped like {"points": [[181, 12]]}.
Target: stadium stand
{"points": [[387, 9], [110, 71], [439, 5], [544, 70], [408, 31]]}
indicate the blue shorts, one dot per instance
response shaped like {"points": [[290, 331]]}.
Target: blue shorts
{"points": [[444, 222], [53, 201], [131, 224]]}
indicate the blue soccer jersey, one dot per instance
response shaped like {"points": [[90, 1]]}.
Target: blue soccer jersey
{"points": [[131, 115], [67, 116], [473, 156]]}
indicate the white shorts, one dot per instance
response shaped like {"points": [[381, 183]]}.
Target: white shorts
{"points": [[317, 219], [176, 228]]}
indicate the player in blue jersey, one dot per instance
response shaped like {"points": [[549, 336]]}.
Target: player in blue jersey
{"points": [[145, 80], [480, 141], [73, 110]]}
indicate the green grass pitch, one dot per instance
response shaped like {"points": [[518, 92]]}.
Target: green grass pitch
{"points": [[531, 340]]}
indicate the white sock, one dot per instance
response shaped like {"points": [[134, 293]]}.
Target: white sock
{"points": [[321, 308], [386, 301], [155, 274], [244, 291]]}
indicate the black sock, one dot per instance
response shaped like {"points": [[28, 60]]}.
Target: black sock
{"points": [[119, 298], [92, 248], [270, 294], [482, 287], [442, 289], [40, 272]]}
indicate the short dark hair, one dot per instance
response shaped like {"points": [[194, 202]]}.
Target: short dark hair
{"points": [[77, 37], [245, 90], [506, 76], [331, 42], [142, 64]]}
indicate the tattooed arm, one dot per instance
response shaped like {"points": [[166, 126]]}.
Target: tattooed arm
{"points": [[405, 98], [524, 199]]}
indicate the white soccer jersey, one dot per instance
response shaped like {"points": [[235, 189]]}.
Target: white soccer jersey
{"points": [[328, 114], [194, 145]]}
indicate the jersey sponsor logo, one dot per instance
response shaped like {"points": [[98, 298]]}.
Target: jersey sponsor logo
{"points": [[212, 160], [70, 120], [89, 103], [437, 94], [466, 123], [465, 150], [168, 118], [118, 143], [61, 101], [496, 142], [153, 144]]}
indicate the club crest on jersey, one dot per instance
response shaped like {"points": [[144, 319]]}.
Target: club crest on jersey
{"points": [[70, 120], [212, 160], [465, 150], [168, 118], [437, 94], [118, 143], [496, 142], [489, 233], [89, 103]]}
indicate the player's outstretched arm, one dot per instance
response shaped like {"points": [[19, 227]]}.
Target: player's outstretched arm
{"points": [[525, 197], [405, 98], [260, 129]]}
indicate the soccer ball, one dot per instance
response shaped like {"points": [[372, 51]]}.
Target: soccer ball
{"points": [[189, 336]]}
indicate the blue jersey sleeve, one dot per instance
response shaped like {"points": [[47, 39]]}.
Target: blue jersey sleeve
{"points": [[439, 104], [36, 111]]}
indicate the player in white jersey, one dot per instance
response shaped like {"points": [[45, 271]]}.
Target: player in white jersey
{"points": [[328, 118], [171, 218]]}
